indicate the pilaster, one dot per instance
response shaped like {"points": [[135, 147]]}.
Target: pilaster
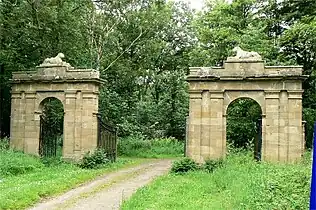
{"points": [[195, 114], [205, 125], [283, 127], [69, 123], [295, 126], [271, 146], [218, 124], [30, 130]]}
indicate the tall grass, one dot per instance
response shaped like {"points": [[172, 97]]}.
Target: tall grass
{"points": [[155, 148], [240, 183]]}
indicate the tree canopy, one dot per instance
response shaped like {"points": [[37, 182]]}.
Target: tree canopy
{"points": [[144, 49]]}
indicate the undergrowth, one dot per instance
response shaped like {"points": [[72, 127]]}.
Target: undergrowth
{"points": [[155, 148]]}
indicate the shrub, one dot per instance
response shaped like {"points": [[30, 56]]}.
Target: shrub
{"points": [[212, 165], [14, 163], [184, 165], [4, 144], [94, 160]]}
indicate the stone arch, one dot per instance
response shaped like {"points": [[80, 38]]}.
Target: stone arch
{"points": [[77, 89], [278, 91], [44, 96], [231, 96], [257, 144], [50, 139]]}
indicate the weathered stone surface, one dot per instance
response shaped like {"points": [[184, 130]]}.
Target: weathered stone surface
{"points": [[77, 89], [277, 89]]}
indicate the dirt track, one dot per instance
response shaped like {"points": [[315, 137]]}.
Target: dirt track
{"points": [[109, 191]]}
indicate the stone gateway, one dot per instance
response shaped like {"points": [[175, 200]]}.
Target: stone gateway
{"points": [[78, 91], [277, 89]]}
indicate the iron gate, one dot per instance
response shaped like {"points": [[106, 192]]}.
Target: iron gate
{"points": [[258, 142], [107, 139], [48, 139]]}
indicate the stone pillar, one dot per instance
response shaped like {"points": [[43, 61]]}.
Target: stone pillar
{"points": [[30, 131], [218, 124], [271, 145], [17, 120], [304, 136], [194, 141], [205, 126], [69, 124], [89, 122], [295, 126], [78, 124], [283, 127]]}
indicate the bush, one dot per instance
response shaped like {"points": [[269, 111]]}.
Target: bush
{"points": [[212, 165], [14, 163], [4, 144], [94, 160], [184, 165]]}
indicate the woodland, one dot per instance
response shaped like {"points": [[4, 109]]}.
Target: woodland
{"points": [[144, 48]]}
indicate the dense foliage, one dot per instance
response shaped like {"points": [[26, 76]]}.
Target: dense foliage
{"points": [[143, 50], [243, 117], [155, 148]]}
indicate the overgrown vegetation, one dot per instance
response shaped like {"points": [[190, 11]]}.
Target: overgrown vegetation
{"points": [[16, 163], [239, 183], [155, 148], [25, 179]]}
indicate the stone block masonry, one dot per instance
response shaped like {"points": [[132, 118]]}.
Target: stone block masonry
{"points": [[278, 91], [77, 89]]}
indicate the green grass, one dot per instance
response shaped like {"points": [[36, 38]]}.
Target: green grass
{"points": [[155, 148], [240, 184], [29, 179]]}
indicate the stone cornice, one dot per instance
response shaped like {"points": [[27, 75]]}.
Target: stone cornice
{"points": [[250, 78], [38, 80], [57, 74]]}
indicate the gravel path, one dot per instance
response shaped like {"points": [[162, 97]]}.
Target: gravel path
{"points": [[109, 191]]}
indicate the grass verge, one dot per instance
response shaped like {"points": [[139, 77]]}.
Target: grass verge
{"points": [[240, 184], [32, 181]]}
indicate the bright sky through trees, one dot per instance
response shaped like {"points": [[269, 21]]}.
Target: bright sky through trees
{"points": [[195, 4]]}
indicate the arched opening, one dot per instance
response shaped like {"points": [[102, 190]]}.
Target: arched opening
{"points": [[51, 128], [244, 125]]}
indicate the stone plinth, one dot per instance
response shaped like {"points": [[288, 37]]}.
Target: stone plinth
{"points": [[277, 89]]}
